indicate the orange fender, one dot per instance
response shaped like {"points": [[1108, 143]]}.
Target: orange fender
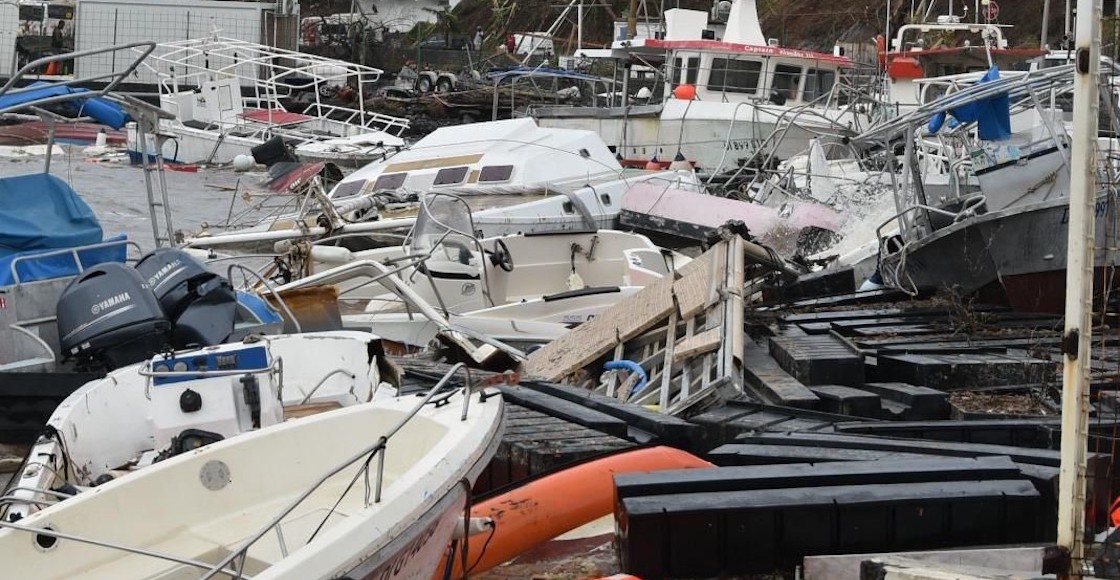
{"points": [[544, 508]]}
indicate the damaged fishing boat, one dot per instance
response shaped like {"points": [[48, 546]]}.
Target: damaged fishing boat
{"points": [[725, 97], [1006, 238]]}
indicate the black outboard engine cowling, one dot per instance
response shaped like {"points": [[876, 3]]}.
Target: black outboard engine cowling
{"points": [[108, 318], [201, 305]]}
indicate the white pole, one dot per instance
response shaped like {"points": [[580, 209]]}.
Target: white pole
{"points": [[1079, 287]]}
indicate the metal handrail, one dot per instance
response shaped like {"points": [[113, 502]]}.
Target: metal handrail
{"points": [[145, 372], [377, 449], [261, 279], [34, 338], [223, 569], [324, 381], [72, 251]]}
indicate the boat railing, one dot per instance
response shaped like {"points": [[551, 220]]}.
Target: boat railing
{"points": [[366, 119], [265, 283], [74, 253], [48, 536], [372, 271], [372, 490], [112, 79], [893, 276]]}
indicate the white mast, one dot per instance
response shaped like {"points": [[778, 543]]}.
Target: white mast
{"points": [[1079, 286]]}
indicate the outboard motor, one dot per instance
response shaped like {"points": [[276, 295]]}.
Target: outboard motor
{"points": [[201, 305], [108, 318]]}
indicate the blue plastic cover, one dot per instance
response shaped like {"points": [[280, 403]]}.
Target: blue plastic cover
{"points": [[43, 212], [992, 115]]}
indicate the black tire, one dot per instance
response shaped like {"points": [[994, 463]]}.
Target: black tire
{"points": [[444, 85], [424, 84]]}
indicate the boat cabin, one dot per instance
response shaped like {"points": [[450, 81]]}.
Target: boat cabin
{"points": [[943, 48], [733, 72]]}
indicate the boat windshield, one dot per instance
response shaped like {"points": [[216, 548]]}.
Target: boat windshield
{"points": [[444, 220]]}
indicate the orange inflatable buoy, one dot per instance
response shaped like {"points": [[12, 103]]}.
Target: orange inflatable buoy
{"points": [[545, 508], [684, 92]]}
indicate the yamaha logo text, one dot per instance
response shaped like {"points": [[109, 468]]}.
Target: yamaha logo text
{"points": [[163, 272], [110, 302]]}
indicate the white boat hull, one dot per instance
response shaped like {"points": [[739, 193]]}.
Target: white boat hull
{"points": [[714, 135], [207, 503], [191, 145]]}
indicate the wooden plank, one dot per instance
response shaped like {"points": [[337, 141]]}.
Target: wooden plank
{"points": [[697, 344], [693, 292], [625, 320]]}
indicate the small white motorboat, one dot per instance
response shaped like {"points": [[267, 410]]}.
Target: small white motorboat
{"points": [[375, 490], [542, 283]]}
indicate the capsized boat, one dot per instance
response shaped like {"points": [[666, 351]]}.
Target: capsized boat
{"points": [[375, 490]]}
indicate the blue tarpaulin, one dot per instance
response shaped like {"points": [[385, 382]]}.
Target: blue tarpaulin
{"points": [[992, 115], [41, 214]]}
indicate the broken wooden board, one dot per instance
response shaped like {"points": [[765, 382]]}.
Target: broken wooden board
{"points": [[629, 318], [706, 341]]}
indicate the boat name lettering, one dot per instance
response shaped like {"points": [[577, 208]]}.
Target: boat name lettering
{"points": [[110, 302], [393, 567], [742, 144], [163, 271], [1099, 209]]}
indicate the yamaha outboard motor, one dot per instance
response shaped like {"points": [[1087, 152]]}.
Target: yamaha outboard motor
{"points": [[108, 318], [201, 305]]}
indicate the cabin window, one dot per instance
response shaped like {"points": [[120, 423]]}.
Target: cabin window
{"points": [[734, 76], [390, 181], [605, 198], [818, 83], [451, 176], [688, 73], [60, 12], [348, 189], [495, 173], [786, 80]]}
